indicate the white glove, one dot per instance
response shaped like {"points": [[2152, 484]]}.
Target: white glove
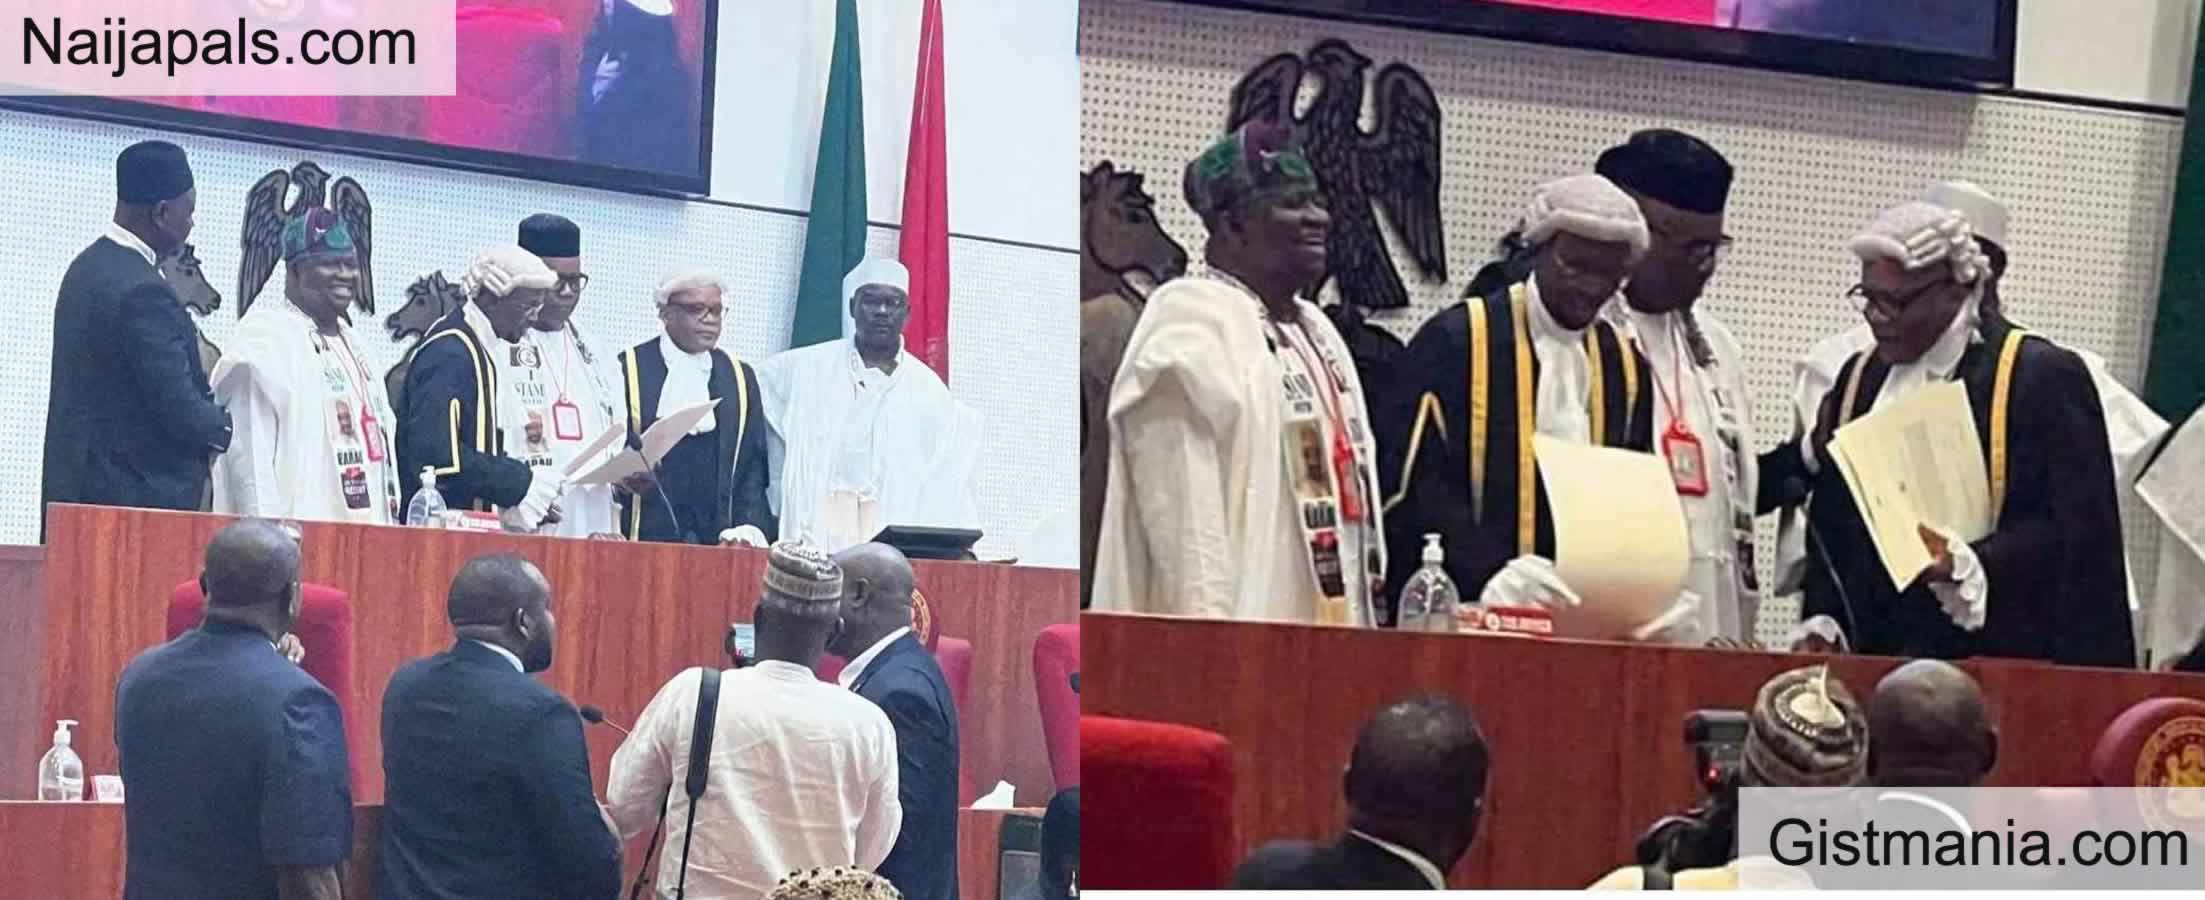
{"points": [[545, 484], [1679, 624], [743, 535], [1528, 581], [1966, 598]]}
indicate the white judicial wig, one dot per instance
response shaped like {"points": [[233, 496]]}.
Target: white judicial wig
{"points": [[1588, 206], [684, 283], [1984, 213], [1918, 234], [505, 268]]}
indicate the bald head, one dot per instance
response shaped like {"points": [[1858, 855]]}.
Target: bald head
{"points": [[489, 589], [877, 582], [251, 563], [1417, 777], [1928, 727]]}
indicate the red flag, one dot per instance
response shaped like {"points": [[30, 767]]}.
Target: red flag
{"points": [[924, 243]]}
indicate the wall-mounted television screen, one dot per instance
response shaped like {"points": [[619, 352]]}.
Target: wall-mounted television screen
{"points": [[1965, 43], [604, 93]]}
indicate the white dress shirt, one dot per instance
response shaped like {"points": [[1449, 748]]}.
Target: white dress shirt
{"points": [[122, 236], [1430, 871], [849, 676], [803, 774], [508, 654], [1565, 375]]}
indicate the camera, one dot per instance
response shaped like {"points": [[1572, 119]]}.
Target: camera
{"points": [[1704, 836]]}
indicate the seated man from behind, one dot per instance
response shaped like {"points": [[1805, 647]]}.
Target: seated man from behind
{"points": [[1804, 731], [1060, 846], [487, 780], [801, 773], [1415, 787], [1928, 727], [235, 757]]}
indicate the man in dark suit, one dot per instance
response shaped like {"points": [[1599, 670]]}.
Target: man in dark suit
{"points": [[716, 476], [235, 757], [486, 779], [1415, 786], [889, 667], [448, 410], [147, 439]]}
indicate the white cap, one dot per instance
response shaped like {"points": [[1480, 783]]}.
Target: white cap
{"points": [[1433, 553], [1917, 235], [654, 7], [61, 732], [875, 270], [1589, 206], [1984, 212]]}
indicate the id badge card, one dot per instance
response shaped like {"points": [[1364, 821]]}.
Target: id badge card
{"points": [[371, 433], [566, 420], [1687, 462]]}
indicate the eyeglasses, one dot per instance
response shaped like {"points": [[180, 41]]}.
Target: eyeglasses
{"points": [[1862, 295], [574, 282], [1702, 251], [698, 310]]}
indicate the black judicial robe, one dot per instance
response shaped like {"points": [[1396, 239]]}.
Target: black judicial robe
{"points": [[738, 441], [2058, 588], [1436, 493], [448, 421]]}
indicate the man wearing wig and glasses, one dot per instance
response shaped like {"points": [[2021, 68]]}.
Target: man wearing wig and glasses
{"points": [[711, 486], [2047, 582]]}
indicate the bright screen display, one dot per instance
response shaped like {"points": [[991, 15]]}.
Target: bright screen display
{"points": [[609, 93]]}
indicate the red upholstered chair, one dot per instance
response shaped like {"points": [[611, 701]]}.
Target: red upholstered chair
{"points": [[324, 629], [2157, 743], [1163, 819], [511, 89], [1056, 660]]}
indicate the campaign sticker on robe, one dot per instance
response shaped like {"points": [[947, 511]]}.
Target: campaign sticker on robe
{"points": [[1313, 471], [525, 356], [1324, 549], [566, 420], [355, 482], [1318, 515], [1301, 396], [536, 451]]}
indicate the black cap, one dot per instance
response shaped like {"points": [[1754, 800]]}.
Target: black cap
{"points": [[1672, 167], [545, 234], [150, 172]]}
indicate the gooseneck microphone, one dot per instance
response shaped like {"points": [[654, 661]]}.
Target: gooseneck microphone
{"points": [[596, 716]]}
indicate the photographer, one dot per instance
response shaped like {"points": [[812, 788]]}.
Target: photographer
{"points": [[1805, 731]]}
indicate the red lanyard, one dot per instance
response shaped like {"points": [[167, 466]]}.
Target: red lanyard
{"points": [[1678, 424]]}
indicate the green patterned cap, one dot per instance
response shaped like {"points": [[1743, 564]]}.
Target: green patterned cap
{"points": [[316, 233], [1257, 159]]}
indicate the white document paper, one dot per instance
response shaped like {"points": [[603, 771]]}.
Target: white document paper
{"points": [[595, 448], [1916, 462], [1619, 535], [657, 439]]}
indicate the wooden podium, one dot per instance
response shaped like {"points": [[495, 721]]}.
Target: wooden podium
{"points": [[630, 617], [1586, 738]]}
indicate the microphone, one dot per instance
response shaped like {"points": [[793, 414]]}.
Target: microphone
{"points": [[596, 716]]}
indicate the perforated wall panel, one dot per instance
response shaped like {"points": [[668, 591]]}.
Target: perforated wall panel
{"points": [[1012, 326], [1816, 159]]}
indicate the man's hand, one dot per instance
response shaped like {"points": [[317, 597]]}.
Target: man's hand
{"points": [[289, 646], [606, 536], [638, 483], [1940, 551], [551, 516]]}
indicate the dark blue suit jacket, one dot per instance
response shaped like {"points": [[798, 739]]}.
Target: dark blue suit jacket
{"points": [[906, 683], [487, 787], [235, 761]]}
